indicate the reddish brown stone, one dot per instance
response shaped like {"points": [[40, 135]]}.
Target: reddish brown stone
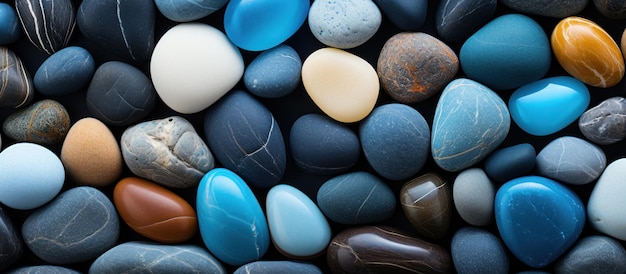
{"points": [[427, 203]]}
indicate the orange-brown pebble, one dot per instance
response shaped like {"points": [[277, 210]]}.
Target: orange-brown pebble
{"points": [[154, 211], [91, 154], [587, 52]]}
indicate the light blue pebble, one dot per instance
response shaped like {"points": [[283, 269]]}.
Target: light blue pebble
{"points": [[67, 71], [9, 26], [274, 73], [188, 10]]}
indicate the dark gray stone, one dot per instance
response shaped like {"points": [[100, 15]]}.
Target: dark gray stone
{"points": [[278, 267], [43, 269], [11, 247], [605, 123], [593, 254], [511, 162], [475, 250], [47, 24], [549, 8], [404, 14], [614, 9], [274, 73], [16, 87], [67, 71], [571, 160], [456, 20], [45, 122]]}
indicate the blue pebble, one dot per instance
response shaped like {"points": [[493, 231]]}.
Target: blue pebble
{"points": [[188, 10], [456, 20], [11, 247], [571, 160], [593, 254], [64, 72], [405, 14], [278, 267], [42, 269], [274, 73], [475, 250], [10, 30], [511, 162]]}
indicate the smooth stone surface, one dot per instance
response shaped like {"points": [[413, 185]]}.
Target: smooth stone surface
{"points": [[475, 250], [427, 202], [77, 226], [372, 249], [120, 94], [10, 30], [605, 207], [413, 66], [408, 15], [232, 223], [11, 247], [274, 73], [457, 20], [547, 8], [395, 140], [344, 86], [508, 52], [614, 9], [67, 71], [91, 154], [30, 176], [593, 254], [193, 65], [571, 160], [263, 24], [297, 226], [470, 122], [344, 24], [356, 198], [16, 89], [42, 269], [48, 25], [146, 257], [473, 195], [154, 211], [511, 162], [604, 124], [249, 142], [45, 122], [188, 10], [167, 151], [548, 105], [587, 52], [540, 209], [320, 145], [278, 267]]}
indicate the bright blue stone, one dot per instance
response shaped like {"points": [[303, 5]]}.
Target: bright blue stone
{"points": [[263, 24], [188, 10], [538, 219], [67, 71], [546, 106], [231, 221], [274, 73], [9, 26]]}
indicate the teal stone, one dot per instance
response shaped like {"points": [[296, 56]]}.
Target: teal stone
{"points": [[546, 106], [470, 122], [538, 219], [510, 51], [230, 218]]}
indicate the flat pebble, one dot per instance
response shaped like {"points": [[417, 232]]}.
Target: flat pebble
{"points": [[48, 25], [571, 160], [274, 73], [11, 247], [10, 29], [405, 15], [473, 195], [613, 9], [43, 269], [605, 207], [593, 254], [188, 10], [45, 122], [278, 267], [475, 250], [508, 163], [67, 71], [456, 20], [427, 202], [547, 8], [344, 24], [17, 89], [604, 123]]}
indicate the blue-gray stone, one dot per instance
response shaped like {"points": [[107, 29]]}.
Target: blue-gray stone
{"points": [[571, 160], [323, 146], [274, 73], [43, 269], [475, 250], [473, 194], [188, 10], [549, 8], [604, 123], [245, 138], [356, 198], [47, 24], [511, 162], [593, 254], [10, 30], [405, 14], [614, 9], [11, 247], [395, 140], [278, 267], [120, 94], [16, 85], [67, 71], [456, 20], [146, 257], [78, 225], [470, 122]]}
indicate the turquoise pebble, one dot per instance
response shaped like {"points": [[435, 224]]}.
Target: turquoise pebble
{"points": [[10, 29]]}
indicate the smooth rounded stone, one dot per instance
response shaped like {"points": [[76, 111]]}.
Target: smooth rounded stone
{"points": [[154, 211], [78, 225], [344, 24], [146, 257], [91, 154], [120, 94], [473, 195], [405, 15], [540, 209], [297, 226], [274, 73], [65, 72], [249, 143], [465, 131], [117, 27], [508, 52], [48, 25], [560, 9], [45, 122], [605, 207], [548, 105], [511, 162], [278, 267], [571, 160], [193, 65], [356, 198], [322, 146], [373, 249], [232, 223], [414, 66], [30, 176], [593, 254], [17, 85], [167, 151], [604, 123], [427, 203], [42, 269], [395, 140], [188, 10], [613, 9], [10, 30], [11, 247], [587, 52], [344, 86], [457, 20], [263, 24], [475, 250]]}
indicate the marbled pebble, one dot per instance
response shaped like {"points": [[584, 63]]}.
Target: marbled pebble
{"points": [[556, 9], [473, 195], [406, 15], [571, 160], [48, 25], [508, 163], [344, 24], [605, 208], [456, 20], [188, 10], [16, 88], [278, 267], [45, 122], [274, 73], [593, 254], [11, 246], [604, 124], [614, 9], [475, 250], [427, 202], [65, 72], [10, 30]]}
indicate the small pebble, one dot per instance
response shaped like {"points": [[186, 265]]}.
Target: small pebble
{"points": [[10, 29], [48, 25], [606, 204], [556, 9], [405, 15], [427, 202], [274, 73], [11, 247], [613, 9], [45, 122], [278, 267], [473, 194], [344, 24], [604, 123], [475, 250], [456, 20], [571, 160], [188, 10], [593, 254], [65, 72], [17, 87], [508, 163]]}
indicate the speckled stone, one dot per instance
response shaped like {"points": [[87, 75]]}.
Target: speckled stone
{"points": [[10, 30], [11, 247], [278, 267], [593, 254], [406, 15], [613, 9], [427, 203], [456, 20], [508, 163], [42, 269], [475, 250], [65, 72], [604, 123], [556, 9], [45, 122], [473, 195], [47, 24], [274, 73], [571, 160], [16, 88], [188, 10]]}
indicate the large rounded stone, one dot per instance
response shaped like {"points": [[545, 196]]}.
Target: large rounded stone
{"points": [[47, 24], [344, 24], [45, 122], [571, 160], [605, 208]]}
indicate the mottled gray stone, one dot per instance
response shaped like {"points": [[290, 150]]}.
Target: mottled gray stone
{"points": [[605, 123], [475, 250], [47, 24], [278, 267], [45, 122], [344, 23], [42, 269], [473, 194], [550, 8], [167, 151], [614, 9], [593, 254], [16, 87], [571, 160]]}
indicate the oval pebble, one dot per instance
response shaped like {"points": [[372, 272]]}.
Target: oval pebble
{"points": [[67, 71], [546, 7], [457, 20], [41, 269], [475, 250], [11, 247], [188, 10], [571, 160], [473, 194], [344, 24], [17, 88], [10, 30], [427, 202], [274, 73], [593, 254], [613, 9], [48, 25], [508, 163], [45, 122], [278, 267], [406, 15], [605, 208], [604, 123]]}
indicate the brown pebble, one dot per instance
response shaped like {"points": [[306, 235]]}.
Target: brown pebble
{"points": [[427, 203], [45, 122]]}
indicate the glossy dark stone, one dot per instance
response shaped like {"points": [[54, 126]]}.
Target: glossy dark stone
{"points": [[511, 162], [372, 249], [42, 269], [404, 14], [605, 123], [614, 9], [456, 20], [11, 247], [47, 24], [556, 9], [475, 250], [16, 87], [593, 254], [45, 122], [278, 267], [427, 203]]}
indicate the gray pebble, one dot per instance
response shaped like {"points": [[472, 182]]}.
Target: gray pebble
{"points": [[571, 160], [593, 254], [475, 250], [605, 123], [344, 23], [473, 195]]}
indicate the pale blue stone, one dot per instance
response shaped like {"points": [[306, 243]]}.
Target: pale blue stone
{"points": [[571, 160], [10, 30], [67, 71], [274, 73], [344, 24], [278, 267], [188, 10]]}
